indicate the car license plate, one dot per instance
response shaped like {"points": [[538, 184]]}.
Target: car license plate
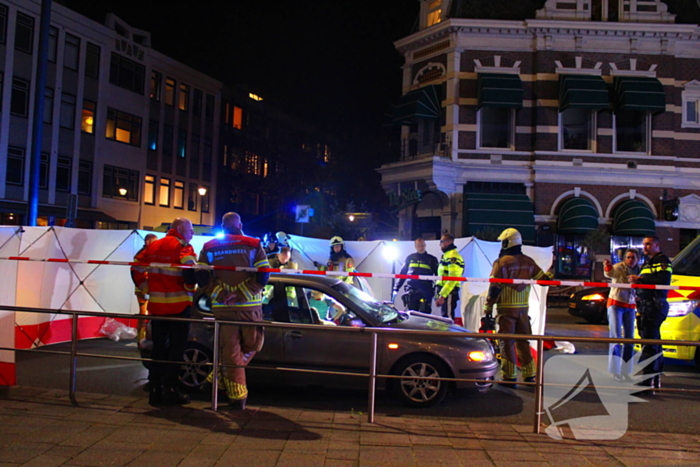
{"points": [[572, 305]]}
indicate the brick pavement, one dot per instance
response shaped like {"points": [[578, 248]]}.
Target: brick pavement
{"points": [[41, 427]]}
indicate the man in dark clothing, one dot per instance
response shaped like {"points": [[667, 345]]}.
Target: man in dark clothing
{"points": [[652, 306], [419, 293]]}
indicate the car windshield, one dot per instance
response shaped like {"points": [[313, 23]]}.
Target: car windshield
{"points": [[381, 311], [687, 263]]}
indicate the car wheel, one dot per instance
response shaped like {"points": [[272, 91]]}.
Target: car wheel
{"points": [[194, 371], [415, 391]]}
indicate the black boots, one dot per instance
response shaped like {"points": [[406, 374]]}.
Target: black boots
{"points": [[155, 395], [237, 404], [158, 396]]}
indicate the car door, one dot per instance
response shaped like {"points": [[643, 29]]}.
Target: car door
{"points": [[274, 306], [321, 348]]}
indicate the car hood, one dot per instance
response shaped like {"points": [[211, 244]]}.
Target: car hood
{"points": [[425, 322]]}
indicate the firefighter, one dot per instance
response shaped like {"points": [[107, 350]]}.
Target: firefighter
{"points": [[652, 307], [419, 293], [170, 294], [141, 298], [235, 296], [339, 260], [451, 264], [512, 302]]}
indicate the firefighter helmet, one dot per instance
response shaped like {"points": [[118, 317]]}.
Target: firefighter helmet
{"points": [[337, 241], [282, 238], [510, 238]]}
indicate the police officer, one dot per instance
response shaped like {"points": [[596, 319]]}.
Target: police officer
{"points": [[513, 304], [419, 293], [451, 264], [652, 306]]}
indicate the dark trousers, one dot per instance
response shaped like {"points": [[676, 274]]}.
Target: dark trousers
{"points": [[169, 339], [449, 307], [418, 300], [651, 316], [515, 321]]}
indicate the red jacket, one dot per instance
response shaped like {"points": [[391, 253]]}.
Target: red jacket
{"points": [[167, 290]]}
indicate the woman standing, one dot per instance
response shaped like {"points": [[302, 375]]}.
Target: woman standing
{"points": [[621, 314]]}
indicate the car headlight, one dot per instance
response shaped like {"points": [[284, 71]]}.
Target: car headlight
{"points": [[477, 356], [676, 309], [595, 297]]}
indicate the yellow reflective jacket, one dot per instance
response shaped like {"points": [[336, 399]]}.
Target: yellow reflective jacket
{"points": [[451, 264]]}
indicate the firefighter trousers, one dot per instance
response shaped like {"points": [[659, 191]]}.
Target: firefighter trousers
{"points": [[515, 321]]}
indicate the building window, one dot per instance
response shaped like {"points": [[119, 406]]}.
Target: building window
{"points": [[71, 53], [183, 102], [209, 108], [19, 101], [24, 33], [179, 195], [691, 105], [164, 192], [153, 135], [15, 166], [48, 105], [63, 174], [237, 121], [181, 143], [496, 127], [156, 85], [192, 194], [434, 12], [632, 131], [3, 24], [127, 73], [92, 61], [197, 103], [573, 259], [120, 183], [167, 140], [66, 118], [87, 119], [169, 91], [576, 129], [204, 200], [85, 178], [44, 171], [123, 127], [53, 44], [149, 189]]}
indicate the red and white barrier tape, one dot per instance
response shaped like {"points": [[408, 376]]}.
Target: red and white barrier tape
{"points": [[550, 283]]}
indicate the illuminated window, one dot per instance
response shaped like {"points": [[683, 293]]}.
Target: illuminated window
{"points": [[149, 189], [120, 183], [237, 118], [265, 168], [252, 163], [434, 12], [255, 97], [327, 154], [123, 127], [87, 120], [169, 91], [184, 97], [164, 193], [179, 199]]}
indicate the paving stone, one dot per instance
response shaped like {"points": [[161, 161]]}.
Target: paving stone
{"points": [[301, 459]]}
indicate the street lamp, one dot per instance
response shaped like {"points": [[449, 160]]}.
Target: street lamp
{"points": [[122, 191], [202, 192]]}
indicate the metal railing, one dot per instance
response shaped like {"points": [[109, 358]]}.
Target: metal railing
{"points": [[372, 375]]}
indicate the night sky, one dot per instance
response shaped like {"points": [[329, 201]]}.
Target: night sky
{"points": [[330, 62]]}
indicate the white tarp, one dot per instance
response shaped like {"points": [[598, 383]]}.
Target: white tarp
{"points": [[109, 288]]}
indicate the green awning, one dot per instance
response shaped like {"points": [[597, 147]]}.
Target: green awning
{"points": [[499, 211], [583, 92], [577, 216], [500, 90], [633, 218], [419, 103], [639, 93]]}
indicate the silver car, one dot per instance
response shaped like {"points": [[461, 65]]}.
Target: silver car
{"points": [[326, 301]]}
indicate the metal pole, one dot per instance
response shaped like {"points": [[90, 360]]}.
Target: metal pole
{"points": [[215, 371], [38, 120], [73, 360], [372, 379], [538, 385]]}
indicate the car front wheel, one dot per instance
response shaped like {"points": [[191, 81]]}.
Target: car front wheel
{"points": [[417, 388], [195, 369]]}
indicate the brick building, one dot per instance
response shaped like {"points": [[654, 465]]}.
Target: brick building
{"points": [[559, 118]]}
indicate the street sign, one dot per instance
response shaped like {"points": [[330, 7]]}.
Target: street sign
{"points": [[52, 221], [303, 214]]}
